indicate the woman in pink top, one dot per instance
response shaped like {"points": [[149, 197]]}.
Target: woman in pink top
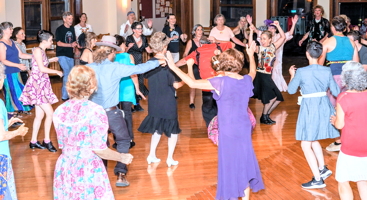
{"points": [[351, 117], [223, 33]]}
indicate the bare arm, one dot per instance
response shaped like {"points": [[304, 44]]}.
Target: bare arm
{"points": [[181, 62], [303, 38], [338, 119], [294, 22], [38, 57], [355, 51], [324, 51], [250, 52], [187, 49], [7, 135], [200, 84], [190, 64], [149, 50], [281, 40], [7, 62], [109, 154], [237, 41], [62, 44]]}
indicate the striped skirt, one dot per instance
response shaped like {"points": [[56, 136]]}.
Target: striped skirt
{"points": [[7, 184], [13, 88]]}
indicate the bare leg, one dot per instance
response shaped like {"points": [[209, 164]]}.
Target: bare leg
{"points": [[37, 123], [311, 158], [247, 194], [192, 95], [345, 191], [316, 147], [362, 189], [47, 108], [153, 144]]}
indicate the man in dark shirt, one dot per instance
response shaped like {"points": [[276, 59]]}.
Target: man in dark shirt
{"points": [[66, 42]]}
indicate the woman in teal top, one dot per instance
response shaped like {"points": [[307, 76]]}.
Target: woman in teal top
{"points": [[7, 186], [337, 50], [128, 87]]}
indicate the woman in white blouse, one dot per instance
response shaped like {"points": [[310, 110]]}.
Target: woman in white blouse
{"points": [[223, 33], [82, 27]]}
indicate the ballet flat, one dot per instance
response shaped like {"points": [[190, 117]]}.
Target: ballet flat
{"points": [[152, 160], [171, 162]]}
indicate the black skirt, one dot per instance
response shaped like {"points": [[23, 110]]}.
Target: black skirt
{"points": [[160, 125], [265, 88]]}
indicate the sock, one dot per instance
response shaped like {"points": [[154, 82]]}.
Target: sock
{"points": [[317, 180], [33, 142], [337, 143], [47, 141]]}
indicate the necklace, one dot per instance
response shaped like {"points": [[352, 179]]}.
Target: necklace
{"points": [[137, 39]]}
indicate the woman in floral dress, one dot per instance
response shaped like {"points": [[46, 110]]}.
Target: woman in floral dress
{"points": [[81, 128]]}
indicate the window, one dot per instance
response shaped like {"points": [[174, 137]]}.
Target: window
{"points": [[233, 10], [45, 14]]}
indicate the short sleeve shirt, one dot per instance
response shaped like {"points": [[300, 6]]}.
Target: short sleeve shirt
{"points": [[174, 45], [65, 35]]}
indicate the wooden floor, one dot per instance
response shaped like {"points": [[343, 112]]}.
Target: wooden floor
{"points": [[281, 160]]}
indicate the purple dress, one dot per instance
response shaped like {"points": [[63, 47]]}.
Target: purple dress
{"points": [[237, 164]]}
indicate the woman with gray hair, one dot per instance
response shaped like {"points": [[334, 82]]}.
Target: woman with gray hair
{"points": [[351, 117], [9, 56]]}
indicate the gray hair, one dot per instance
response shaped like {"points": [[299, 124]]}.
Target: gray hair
{"points": [[65, 14], [354, 76], [218, 16], [3, 26], [196, 26]]}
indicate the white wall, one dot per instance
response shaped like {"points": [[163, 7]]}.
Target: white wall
{"points": [[326, 6], [202, 12], [10, 10], [261, 10]]}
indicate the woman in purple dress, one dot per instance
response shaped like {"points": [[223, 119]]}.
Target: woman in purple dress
{"points": [[238, 169]]}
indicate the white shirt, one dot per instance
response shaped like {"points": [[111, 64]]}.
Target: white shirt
{"points": [[146, 31], [225, 35], [79, 29]]}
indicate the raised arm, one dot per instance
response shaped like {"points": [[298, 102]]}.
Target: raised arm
{"points": [[294, 22], [281, 40], [250, 49], [199, 84]]}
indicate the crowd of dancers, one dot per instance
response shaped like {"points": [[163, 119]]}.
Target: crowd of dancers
{"points": [[101, 93]]}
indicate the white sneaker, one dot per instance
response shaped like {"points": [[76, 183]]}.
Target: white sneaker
{"points": [[333, 147]]}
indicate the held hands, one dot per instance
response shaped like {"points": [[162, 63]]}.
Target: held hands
{"points": [[292, 70], [74, 44], [59, 73], [250, 48], [54, 59], [332, 119], [126, 158], [149, 23], [22, 67]]}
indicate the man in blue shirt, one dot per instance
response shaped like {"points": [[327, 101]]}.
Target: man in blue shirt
{"points": [[108, 75]]}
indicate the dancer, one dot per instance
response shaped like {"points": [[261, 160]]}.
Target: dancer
{"points": [[8, 189], [87, 41], [174, 33], [277, 73], [38, 90], [318, 28], [238, 168], [362, 49], [337, 49], [162, 105], [223, 33], [264, 86], [351, 118], [109, 74], [192, 45], [314, 113], [136, 43], [9, 56], [81, 128]]}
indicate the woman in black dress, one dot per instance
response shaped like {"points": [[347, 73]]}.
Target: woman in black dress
{"points": [[162, 105], [192, 45], [87, 41], [136, 43]]}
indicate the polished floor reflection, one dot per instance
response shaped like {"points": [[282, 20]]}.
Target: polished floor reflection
{"points": [[280, 157]]}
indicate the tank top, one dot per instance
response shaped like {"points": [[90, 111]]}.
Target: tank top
{"points": [[82, 62], [343, 50], [193, 46], [12, 55], [241, 37]]}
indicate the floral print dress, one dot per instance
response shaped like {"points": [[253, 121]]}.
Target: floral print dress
{"points": [[81, 127]]}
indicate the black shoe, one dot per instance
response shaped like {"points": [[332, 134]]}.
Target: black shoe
{"points": [[132, 110], [36, 145], [270, 120], [192, 106], [49, 146], [264, 120], [313, 184], [132, 144], [325, 173], [138, 108]]}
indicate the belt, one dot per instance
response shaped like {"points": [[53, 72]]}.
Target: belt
{"points": [[112, 108], [336, 62]]}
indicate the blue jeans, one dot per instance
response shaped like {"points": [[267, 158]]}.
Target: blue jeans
{"points": [[66, 64]]}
